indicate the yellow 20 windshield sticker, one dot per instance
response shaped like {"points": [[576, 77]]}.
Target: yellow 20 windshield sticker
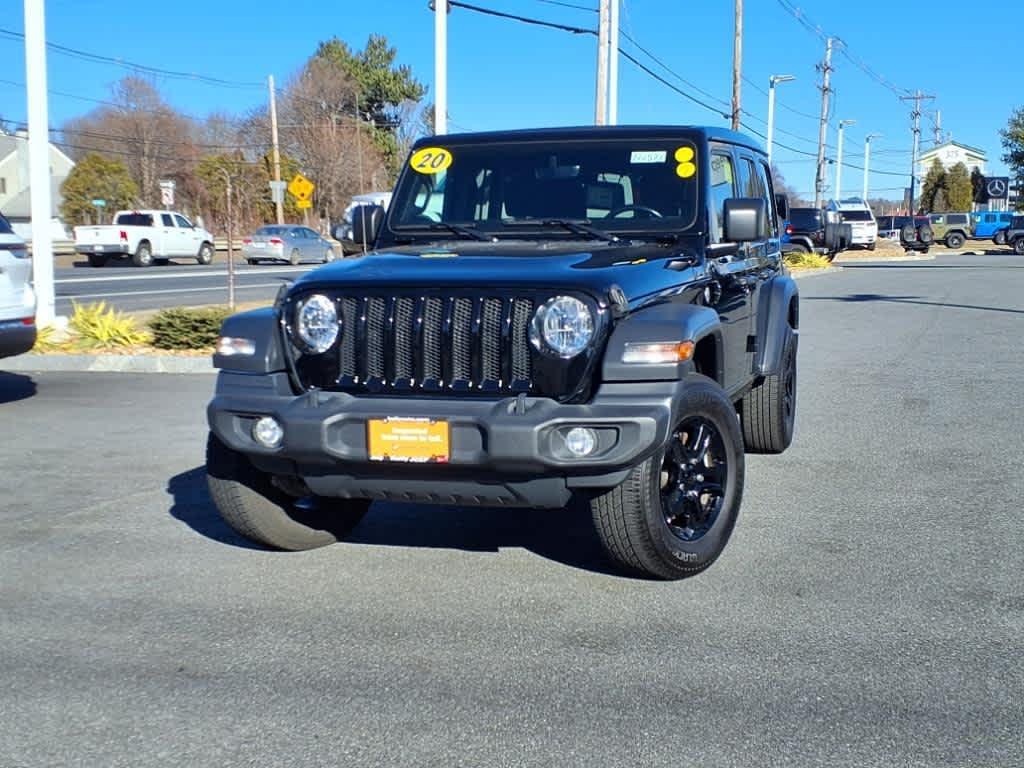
{"points": [[430, 160], [686, 167]]}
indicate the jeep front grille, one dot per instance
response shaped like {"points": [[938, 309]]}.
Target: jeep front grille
{"points": [[435, 344]]}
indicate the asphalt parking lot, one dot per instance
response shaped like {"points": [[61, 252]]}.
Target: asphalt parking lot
{"points": [[868, 611]]}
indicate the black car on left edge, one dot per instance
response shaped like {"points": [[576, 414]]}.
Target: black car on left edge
{"points": [[545, 314]]}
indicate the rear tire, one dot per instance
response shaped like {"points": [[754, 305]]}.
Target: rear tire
{"points": [[143, 256], [673, 515], [98, 259], [768, 411], [1018, 246], [999, 238], [954, 240], [329, 256], [295, 257], [258, 510], [205, 255]]}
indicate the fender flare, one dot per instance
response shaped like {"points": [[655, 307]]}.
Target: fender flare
{"points": [[778, 313], [259, 326], [665, 322], [805, 241]]}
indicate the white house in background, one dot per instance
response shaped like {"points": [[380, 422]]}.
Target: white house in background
{"points": [[951, 153], [15, 194]]}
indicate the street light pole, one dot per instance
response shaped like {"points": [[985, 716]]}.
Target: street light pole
{"points": [[839, 157], [772, 82], [613, 64], [867, 159], [39, 162], [231, 248], [440, 67]]}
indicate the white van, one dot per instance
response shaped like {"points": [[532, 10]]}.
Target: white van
{"points": [[858, 214], [17, 299]]}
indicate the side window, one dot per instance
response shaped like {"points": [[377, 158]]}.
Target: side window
{"points": [[990, 218], [751, 184], [166, 219], [182, 221], [723, 186]]}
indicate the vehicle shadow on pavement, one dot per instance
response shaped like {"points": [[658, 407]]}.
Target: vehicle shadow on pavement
{"points": [[194, 507], [14, 387], [565, 536]]}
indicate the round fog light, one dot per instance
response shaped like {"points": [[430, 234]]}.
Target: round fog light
{"points": [[581, 441], [268, 432]]}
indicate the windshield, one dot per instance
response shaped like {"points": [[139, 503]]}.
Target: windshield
{"points": [[511, 189], [5, 226], [269, 231]]}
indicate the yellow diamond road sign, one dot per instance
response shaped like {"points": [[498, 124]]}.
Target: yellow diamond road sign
{"points": [[300, 187]]}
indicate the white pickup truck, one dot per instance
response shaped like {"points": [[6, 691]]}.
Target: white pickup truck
{"points": [[145, 237]]}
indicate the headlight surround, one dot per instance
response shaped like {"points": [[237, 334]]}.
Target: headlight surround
{"points": [[316, 323], [562, 326]]}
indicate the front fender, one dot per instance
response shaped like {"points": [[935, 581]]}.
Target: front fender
{"points": [[778, 314], [259, 326], [668, 322]]}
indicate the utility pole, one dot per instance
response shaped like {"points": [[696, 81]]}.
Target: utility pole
{"points": [[440, 67], [603, 40], [867, 160], [938, 127], [39, 162], [278, 198], [772, 82], [839, 157], [826, 71], [915, 116], [613, 64], [737, 65]]}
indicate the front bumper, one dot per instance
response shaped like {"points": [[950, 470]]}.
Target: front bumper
{"points": [[16, 338], [502, 452]]}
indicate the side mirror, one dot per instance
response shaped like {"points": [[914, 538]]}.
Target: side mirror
{"points": [[746, 219], [366, 223], [782, 206]]}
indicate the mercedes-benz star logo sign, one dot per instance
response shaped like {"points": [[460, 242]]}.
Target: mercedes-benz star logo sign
{"points": [[996, 188]]}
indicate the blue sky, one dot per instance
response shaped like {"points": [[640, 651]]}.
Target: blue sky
{"points": [[505, 75]]}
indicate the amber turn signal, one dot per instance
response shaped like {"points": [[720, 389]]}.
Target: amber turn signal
{"points": [[659, 352]]}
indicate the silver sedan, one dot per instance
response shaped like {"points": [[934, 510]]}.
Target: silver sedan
{"points": [[287, 243]]}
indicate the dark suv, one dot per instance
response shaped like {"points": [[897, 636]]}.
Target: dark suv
{"points": [[599, 313], [817, 230], [1013, 235]]}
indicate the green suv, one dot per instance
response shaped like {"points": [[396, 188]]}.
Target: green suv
{"points": [[954, 229]]}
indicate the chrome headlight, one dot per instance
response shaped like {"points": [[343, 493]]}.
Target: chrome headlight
{"points": [[316, 323], [563, 326]]}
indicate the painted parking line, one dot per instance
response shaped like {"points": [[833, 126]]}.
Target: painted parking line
{"points": [[214, 289], [191, 274]]}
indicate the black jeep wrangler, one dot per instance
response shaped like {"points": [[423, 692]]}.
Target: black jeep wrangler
{"points": [[592, 312]]}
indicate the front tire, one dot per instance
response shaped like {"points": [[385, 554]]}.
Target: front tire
{"points": [[769, 409], [673, 515], [1018, 246], [329, 256], [954, 240], [205, 255], [1000, 238], [260, 511], [143, 256]]}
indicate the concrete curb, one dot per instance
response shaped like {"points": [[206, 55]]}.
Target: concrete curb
{"points": [[904, 257], [108, 364], [799, 274]]}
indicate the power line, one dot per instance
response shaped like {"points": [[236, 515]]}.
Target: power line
{"points": [[100, 59], [568, 5]]}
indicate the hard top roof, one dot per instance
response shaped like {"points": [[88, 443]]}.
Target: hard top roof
{"points": [[594, 132]]}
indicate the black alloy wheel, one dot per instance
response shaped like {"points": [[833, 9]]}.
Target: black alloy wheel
{"points": [[694, 474]]}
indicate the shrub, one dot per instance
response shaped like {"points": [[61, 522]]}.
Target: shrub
{"points": [[181, 328], [802, 260], [101, 327]]}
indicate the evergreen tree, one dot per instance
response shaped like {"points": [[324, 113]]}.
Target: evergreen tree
{"points": [[959, 193], [95, 177], [934, 181], [1013, 146]]}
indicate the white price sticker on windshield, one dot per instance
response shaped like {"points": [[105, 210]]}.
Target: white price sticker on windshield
{"points": [[651, 156]]}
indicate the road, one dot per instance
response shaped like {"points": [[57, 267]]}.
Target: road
{"points": [[132, 289], [868, 611]]}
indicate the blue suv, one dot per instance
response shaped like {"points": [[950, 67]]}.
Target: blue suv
{"points": [[991, 225]]}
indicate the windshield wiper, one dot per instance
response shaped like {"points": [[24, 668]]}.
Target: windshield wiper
{"points": [[576, 226], [455, 229]]}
